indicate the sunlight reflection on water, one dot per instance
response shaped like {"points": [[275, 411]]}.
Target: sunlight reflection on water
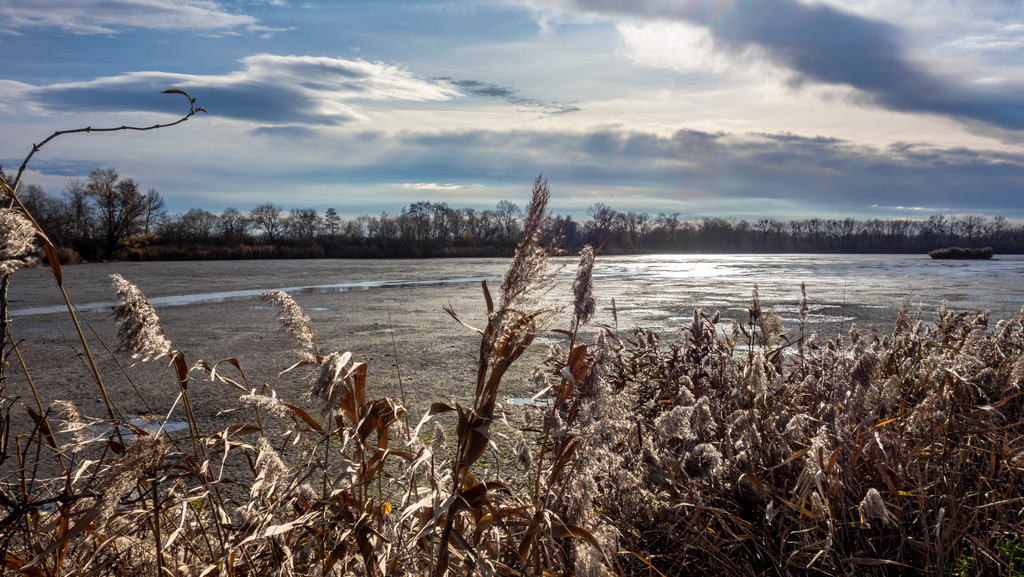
{"points": [[657, 292]]}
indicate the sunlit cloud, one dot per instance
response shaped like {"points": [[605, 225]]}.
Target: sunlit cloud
{"points": [[434, 186], [269, 89], [101, 17], [819, 43]]}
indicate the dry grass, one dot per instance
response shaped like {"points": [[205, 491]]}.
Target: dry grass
{"points": [[723, 452]]}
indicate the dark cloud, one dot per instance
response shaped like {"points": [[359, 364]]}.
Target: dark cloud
{"points": [[481, 88], [821, 43], [487, 90], [781, 175], [819, 175], [290, 132], [269, 89], [251, 100], [53, 167]]}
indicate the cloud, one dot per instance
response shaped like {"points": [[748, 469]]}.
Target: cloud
{"points": [[102, 17], [270, 90], [706, 173], [288, 132], [823, 44], [439, 187], [54, 166], [487, 90], [694, 172]]}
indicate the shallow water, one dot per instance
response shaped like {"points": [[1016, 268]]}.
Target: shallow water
{"points": [[389, 313], [656, 292], [243, 294]]}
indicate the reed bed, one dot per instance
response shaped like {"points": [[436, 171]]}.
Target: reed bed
{"points": [[720, 450]]}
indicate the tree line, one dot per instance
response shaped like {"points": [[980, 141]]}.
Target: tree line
{"points": [[109, 216]]}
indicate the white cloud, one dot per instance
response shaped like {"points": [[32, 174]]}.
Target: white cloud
{"points": [[690, 49], [438, 187], [269, 90], [675, 46], [99, 17]]}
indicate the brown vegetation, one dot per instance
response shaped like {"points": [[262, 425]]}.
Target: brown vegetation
{"points": [[955, 252], [726, 451]]}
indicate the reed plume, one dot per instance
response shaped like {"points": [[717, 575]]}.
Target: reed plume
{"points": [[584, 303], [141, 457], [140, 334], [17, 241], [294, 320]]}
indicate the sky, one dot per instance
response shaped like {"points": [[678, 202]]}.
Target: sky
{"points": [[720, 108]]}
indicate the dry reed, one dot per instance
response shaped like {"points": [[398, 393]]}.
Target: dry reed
{"points": [[690, 454]]}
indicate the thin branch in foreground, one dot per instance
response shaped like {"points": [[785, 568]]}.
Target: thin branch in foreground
{"points": [[192, 111]]}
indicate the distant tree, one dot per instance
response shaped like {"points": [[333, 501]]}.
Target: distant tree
{"points": [[386, 228], [269, 221], [80, 212], [565, 231], [35, 200], [507, 214], [153, 210], [332, 222], [360, 227], [233, 226], [415, 223], [198, 226], [482, 225], [304, 224], [119, 205]]}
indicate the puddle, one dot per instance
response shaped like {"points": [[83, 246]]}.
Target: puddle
{"points": [[212, 297], [151, 427], [527, 401]]}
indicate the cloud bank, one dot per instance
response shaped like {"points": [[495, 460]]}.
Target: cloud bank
{"points": [[269, 90], [823, 44], [696, 173], [103, 17]]}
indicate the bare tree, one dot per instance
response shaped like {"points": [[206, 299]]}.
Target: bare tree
{"points": [[507, 214], [304, 224], [79, 211], [153, 211], [234, 226], [198, 226], [119, 205], [268, 219]]}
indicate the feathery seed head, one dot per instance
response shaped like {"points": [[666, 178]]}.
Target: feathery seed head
{"points": [[524, 275], [802, 305], [270, 469], [523, 457], [755, 306], [329, 383], [17, 241], [704, 462], [583, 288], [143, 454], [438, 442], [734, 330], [292, 317], [267, 403], [903, 317], [675, 424], [68, 412], [873, 507], [1017, 374], [140, 334]]}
